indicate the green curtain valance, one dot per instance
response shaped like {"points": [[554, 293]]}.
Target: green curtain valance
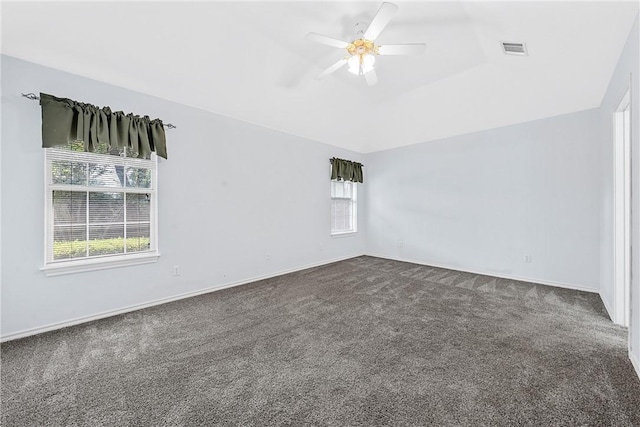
{"points": [[346, 170], [65, 120]]}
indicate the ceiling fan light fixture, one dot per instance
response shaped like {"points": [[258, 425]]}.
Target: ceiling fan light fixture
{"points": [[354, 64], [361, 64], [367, 63]]}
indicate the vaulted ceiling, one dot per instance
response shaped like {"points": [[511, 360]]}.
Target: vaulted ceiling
{"points": [[251, 61]]}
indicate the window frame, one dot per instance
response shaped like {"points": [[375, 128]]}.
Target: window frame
{"points": [[90, 263], [354, 209]]}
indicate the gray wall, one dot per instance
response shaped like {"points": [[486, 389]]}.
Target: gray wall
{"points": [[628, 64], [230, 192], [482, 201]]}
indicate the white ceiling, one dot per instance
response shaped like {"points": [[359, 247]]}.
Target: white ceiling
{"points": [[251, 61]]}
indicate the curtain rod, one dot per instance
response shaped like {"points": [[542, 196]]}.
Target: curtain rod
{"points": [[348, 161], [33, 97]]}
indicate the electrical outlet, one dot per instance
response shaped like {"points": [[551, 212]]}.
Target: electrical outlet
{"points": [[400, 243], [527, 258], [267, 256], [176, 270]]}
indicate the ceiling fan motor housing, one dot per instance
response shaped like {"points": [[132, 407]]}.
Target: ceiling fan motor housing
{"points": [[362, 47]]}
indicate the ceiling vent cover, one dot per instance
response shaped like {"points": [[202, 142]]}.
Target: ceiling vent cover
{"points": [[511, 48]]}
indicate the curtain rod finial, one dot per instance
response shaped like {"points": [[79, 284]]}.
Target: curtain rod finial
{"points": [[32, 96]]}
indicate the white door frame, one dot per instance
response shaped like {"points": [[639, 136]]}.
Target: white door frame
{"points": [[622, 209]]}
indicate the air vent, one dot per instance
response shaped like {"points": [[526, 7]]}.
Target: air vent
{"points": [[514, 48]]}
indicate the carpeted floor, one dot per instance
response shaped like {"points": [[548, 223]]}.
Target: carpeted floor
{"points": [[360, 342]]}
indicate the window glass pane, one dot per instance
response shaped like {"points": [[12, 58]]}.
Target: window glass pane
{"points": [[68, 172], [106, 239], [131, 152], [74, 146], [69, 207], [342, 218], [348, 225], [341, 189], [138, 237], [347, 189], [106, 207], [337, 189], [103, 148], [92, 223], [101, 175], [140, 178], [138, 207], [69, 242]]}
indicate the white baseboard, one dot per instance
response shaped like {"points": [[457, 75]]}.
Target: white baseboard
{"points": [[109, 313], [635, 362], [486, 273], [607, 306]]}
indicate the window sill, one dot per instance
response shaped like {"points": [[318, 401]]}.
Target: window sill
{"points": [[344, 234], [80, 266]]}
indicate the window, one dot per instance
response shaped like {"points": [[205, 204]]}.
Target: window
{"points": [[100, 209], [343, 207]]}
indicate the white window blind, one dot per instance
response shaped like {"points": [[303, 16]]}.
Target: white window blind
{"points": [[99, 205], [343, 207]]}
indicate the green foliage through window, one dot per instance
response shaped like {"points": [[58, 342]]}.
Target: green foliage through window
{"points": [[78, 248]]}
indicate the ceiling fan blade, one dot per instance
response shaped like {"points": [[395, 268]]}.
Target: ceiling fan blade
{"points": [[333, 68], [371, 77], [402, 49], [319, 38], [382, 18]]}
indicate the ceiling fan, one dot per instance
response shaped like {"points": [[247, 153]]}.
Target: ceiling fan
{"points": [[362, 52]]}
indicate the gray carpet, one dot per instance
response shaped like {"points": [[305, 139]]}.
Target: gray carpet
{"points": [[360, 342]]}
